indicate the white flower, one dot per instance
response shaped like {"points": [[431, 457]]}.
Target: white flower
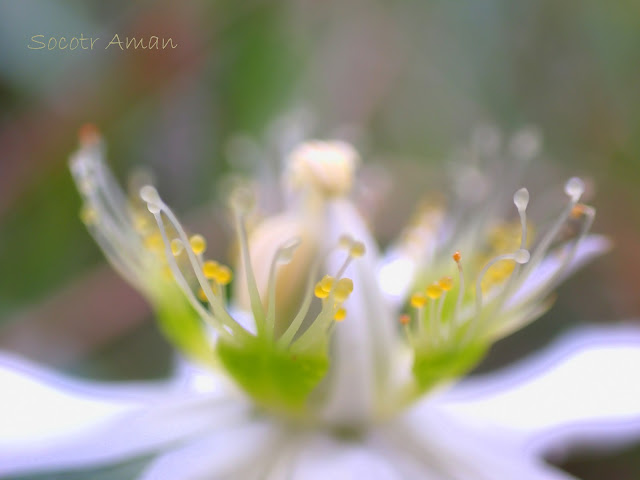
{"points": [[349, 384]]}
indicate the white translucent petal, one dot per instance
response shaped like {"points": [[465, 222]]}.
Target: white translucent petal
{"points": [[582, 390], [539, 280], [228, 453], [52, 422], [429, 442], [362, 344], [324, 457], [395, 276]]}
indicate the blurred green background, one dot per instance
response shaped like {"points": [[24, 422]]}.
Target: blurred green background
{"points": [[415, 77]]}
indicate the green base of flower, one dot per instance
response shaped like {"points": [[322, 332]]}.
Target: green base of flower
{"points": [[277, 379], [433, 367]]}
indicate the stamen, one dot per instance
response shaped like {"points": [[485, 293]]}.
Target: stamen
{"points": [[357, 249], [418, 301], [344, 288], [155, 204], [588, 213], [521, 200], [88, 215], [456, 258], [198, 244], [210, 268], [283, 255], [340, 314], [286, 338], [574, 188], [405, 321], [241, 203], [176, 247], [433, 292], [521, 256]]}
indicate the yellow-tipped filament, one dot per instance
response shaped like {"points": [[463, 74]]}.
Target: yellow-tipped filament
{"points": [[198, 244], [418, 300]]}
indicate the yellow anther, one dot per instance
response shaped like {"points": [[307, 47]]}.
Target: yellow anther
{"points": [[357, 249], [418, 300], [88, 215], [201, 295], [457, 256], [343, 289], [210, 269], [176, 246], [404, 319], [578, 210], [141, 222], [446, 283], [345, 241], [153, 242], [198, 244], [340, 314], [433, 291], [320, 292], [167, 273], [326, 283], [223, 275]]}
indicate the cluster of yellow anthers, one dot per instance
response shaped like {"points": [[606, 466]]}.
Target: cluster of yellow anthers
{"points": [[342, 287], [212, 277], [502, 272]]}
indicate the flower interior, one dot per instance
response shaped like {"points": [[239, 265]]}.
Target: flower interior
{"points": [[460, 301]]}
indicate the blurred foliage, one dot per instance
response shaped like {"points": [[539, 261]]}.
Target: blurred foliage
{"points": [[415, 77]]}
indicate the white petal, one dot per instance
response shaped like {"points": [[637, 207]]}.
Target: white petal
{"points": [[538, 281], [584, 389], [52, 422], [324, 457], [429, 442], [227, 453], [364, 342]]}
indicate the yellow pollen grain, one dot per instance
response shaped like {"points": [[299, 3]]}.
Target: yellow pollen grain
{"points": [[326, 283], [223, 275], [167, 273], [578, 211], [88, 215], [418, 300], [345, 241], [153, 242], [320, 292], [198, 244], [140, 222], [433, 291], [357, 249], [340, 314], [446, 283], [176, 246], [343, 289], [210, 269]]}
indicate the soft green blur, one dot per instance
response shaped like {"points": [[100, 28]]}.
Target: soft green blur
{"points": [[409, 80]]}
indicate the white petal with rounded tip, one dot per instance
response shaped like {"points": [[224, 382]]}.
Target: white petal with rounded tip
{"points": [[362, 344], [537, 282], [446, 450], [583, 390], [53, 422], [228, 453]]}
